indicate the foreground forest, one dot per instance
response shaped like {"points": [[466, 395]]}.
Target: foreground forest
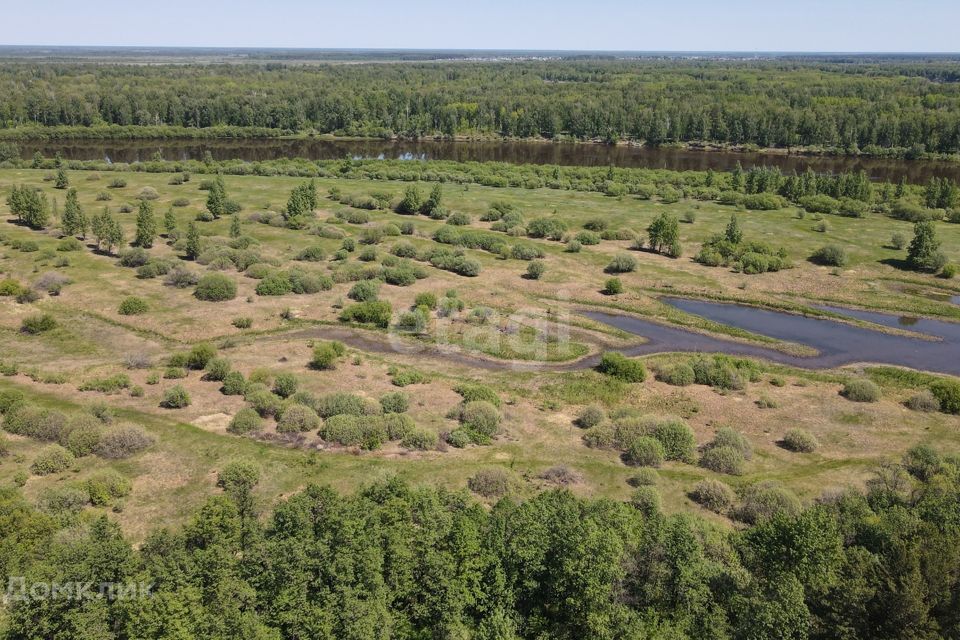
{"points": [[902, 107]]}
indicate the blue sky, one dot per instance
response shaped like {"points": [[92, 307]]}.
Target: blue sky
{"points": [[678, 25]]}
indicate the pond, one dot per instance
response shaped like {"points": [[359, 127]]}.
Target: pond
{"points": [[837, 343], [518, 152]]}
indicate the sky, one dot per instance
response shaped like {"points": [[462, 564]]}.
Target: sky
{"points": [[609, 25]]}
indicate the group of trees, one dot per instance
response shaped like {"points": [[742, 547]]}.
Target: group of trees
{"points": [[394, 561], [882, 106]]}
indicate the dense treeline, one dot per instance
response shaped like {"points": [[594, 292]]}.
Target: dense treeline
{"points": [[399, 562], [882, 107]]}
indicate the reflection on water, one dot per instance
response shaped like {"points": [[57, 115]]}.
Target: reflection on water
{"points": [[837, 343], [590, 155]]}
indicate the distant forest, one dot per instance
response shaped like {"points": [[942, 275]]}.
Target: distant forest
{"points": [[896, 107]]}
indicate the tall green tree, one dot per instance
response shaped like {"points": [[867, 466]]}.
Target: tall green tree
{"points": [[146, 226], [193, 246], [663, 235], [170, 222], [923, 254], [61, 181], [74, 221], [733, 232], [235, 229], [217, 197]]}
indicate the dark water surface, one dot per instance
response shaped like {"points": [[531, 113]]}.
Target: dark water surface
{"points": [[591, 155], [837, 343]]}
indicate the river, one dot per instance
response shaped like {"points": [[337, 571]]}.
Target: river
{"points": [[520, 152]]}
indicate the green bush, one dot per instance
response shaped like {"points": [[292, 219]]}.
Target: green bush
{"points": [[923, 401], [830, 255], [622, 368], [678, 375], [723, 459], [799, 440], [105, 487], [263, 401], [298, 419], [315, 253], [285, 385], [764, 500], [395, 402], [377, 313], [590, 416], [613, 286], [326, 354], [420, 440], [728, 437], [471, 392], [713, 495], [200, 356], [132, 306], [861, 390], [52, 459], [644, 451], [275, 284], [245, 421], [426, 299], [365, 291], [346, 404], [646, 500], [622, 263], [481, 418], [233, 384], [947, 393], [677, 439], [242, 323], [175, 397], [38, 324], [215, 287], [644, 477], [216, 370]]}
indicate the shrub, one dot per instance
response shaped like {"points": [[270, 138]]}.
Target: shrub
{"points": [[535, 270], [861, 390], [646, 500], [107, 486], [677, 439], [459, 438], [377, 313], [924, 401], [799, 441], [52, 459], [473, 392], [285, 385], [395, 402], [82, 435], [200, 356], [830, 255], [60, 500], [242, 323], [678, 375], [723, 459], [233, 384], [216, 369], [275, 284], [38, 324], [764, 500], [298, 419], [245, 421], [132, 306], [364, 291], [406, 377], [947, 393], [644, 451], [420, 440], [713, 495], [922, 462], [644, 477], [215, 287], [898, 241], [481, 418], [622, 263], [325, 355], [346, 404], [727, 437], [599, 437], [590, 416], [263, 401], [622, 368], [613, 286], [175, 397], [123, 442], [312, 254], [489, 483]]}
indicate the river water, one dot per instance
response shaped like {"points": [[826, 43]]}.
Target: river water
{"points": [[519, 152]]}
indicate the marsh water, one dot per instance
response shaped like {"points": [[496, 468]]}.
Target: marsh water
{"points": [[837, 343], [518, 152]]}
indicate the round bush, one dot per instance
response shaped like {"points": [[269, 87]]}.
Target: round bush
{"points": [[622, 263], [723, 459], [245, 421], [132, 306], [924, 401], [38, 324], [613, 286], [644, 452], [490, 483], [200, 356], [678, 375], [298, 419], [728, 437], [123, 441], [395, 402], [364, 291], [175, 397], [107, 486], [947, 393], [644, 477], [713, 495], [622, 368], [677, 439], [861, 390], [480, 417], [420, 440], [590, 416], [646, 500], [52, 459], [217, 369], [800, 441], [264, 401], [215, 287], [830, 255], [285, 385], [82, 436], [233, 384], [765, 500]]}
